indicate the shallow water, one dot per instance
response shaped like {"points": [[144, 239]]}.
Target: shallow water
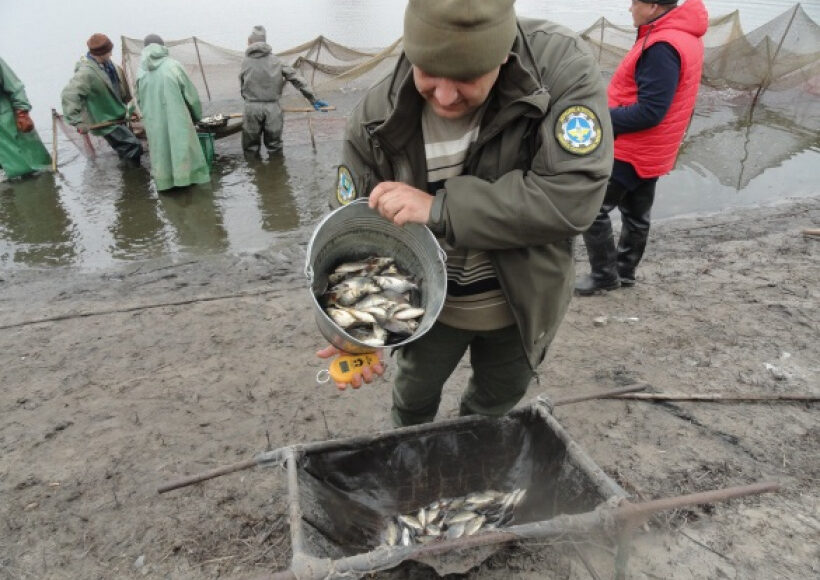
{"points": [[97, 214]]}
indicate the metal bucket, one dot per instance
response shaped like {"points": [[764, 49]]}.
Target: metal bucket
{"points": [[354, 232]]}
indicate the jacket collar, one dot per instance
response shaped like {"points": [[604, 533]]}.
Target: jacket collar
{"points": [[98, 70]]}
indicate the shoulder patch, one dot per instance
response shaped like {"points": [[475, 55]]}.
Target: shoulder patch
{"points": [[345, 188], [578, 130]]}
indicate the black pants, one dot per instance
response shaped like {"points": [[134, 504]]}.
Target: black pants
{"points": [[635, 206], [125, 143]]}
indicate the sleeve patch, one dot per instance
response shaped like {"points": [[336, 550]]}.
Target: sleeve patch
{"points": [[578, 130], [345, 187]]}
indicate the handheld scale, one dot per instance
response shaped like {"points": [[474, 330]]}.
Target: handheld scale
{"points": [[343, 368]]}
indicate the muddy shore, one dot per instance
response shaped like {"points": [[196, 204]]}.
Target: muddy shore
{"points": [[118, 381]]}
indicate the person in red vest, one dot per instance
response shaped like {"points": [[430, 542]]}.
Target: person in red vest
{"points": [[651, 99]]}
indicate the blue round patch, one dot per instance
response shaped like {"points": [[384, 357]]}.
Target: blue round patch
{"points": [[345, 187], [578, 130]]}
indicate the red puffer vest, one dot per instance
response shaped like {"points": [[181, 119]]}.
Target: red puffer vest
{"points": [[652, 152]]}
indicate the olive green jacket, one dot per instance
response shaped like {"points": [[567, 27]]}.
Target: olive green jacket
{"points": [[90, 98], [522, 197]]}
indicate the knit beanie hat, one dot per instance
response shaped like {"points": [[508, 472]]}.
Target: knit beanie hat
{"points": [[99, 44], [458, 39], [258, 34], [153, 39]]}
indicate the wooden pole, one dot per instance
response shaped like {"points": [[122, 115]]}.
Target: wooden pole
{"points": [[107, 124], [207, 475], [306, 109], [636, 513], [312, 84], [54, 140], [202, 69], [716, 397], [603, 395]]}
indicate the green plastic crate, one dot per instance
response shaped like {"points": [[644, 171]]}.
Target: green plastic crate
{"points": [[206, 141]]}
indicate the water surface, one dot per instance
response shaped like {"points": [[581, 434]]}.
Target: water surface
{"points": [[94, 214]]}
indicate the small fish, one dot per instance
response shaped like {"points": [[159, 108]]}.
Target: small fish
{"points": [[401, 328], [482, 499], [373, 301], [455, 531], [456, 503], [350, 291], [461, 517], [394, 283], [432, 514], [395, 297], [411, 522], [473, 525], [422, 517], [391, 270], [405, 537], [348, 317], [341, 317], [408, 313], [433, 530], [391, 533], [374, 335], [519, 497]]}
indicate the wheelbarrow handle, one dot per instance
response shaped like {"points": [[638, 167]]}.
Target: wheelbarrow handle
{"points": [[601, 395], [248, 463]]}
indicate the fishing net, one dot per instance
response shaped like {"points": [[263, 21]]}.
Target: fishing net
{"points": [[89, 145], [759, 87], [333, 70]]}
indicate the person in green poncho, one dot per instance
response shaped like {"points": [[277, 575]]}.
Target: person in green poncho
{"points": [[99, 94], [170, 106], [21, 151]]}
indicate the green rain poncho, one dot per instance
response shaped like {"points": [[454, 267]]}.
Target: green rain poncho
{"points": [[20, 153], [170, 106]]}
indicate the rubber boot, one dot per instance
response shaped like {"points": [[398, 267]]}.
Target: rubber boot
{"points": [[631, 246], [602, 259]]}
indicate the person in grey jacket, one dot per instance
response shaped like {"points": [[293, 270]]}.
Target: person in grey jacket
{"points": [[494, 132], [262, 80]]}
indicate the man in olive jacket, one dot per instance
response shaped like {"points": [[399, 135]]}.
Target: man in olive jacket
{"points": [[98, 94], [494, 132]]}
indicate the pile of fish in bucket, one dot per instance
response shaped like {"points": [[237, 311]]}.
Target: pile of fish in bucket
{"points": [[453, 518], [373, 300]]}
